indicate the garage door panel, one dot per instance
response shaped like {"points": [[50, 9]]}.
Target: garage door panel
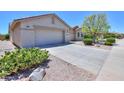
{"points": [[45, 37]]}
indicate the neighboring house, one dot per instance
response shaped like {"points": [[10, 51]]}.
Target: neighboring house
{"points": [[40, 30]]}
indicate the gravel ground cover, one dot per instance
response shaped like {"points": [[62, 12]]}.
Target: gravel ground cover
{"points": [[59, 70]]}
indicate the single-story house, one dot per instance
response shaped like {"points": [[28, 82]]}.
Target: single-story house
{"points": [[42, 30]]}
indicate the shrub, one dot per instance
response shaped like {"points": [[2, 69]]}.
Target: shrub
{"points": [[88, 36], [7, 36], [111, 40], [119, 36], [107, 36], [88, 41], [21, 59], [108, 43], [110, 35]]}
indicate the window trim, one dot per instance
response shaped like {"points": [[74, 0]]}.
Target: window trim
{"points": [[78, 34], [81, 34]]}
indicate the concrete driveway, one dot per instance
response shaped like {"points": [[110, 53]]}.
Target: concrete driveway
{"points": [[90, 59]]}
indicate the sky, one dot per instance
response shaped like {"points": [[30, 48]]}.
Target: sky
{"points": [[73, 18]]}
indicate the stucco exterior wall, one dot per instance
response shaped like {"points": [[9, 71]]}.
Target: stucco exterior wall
{"points": [[47, 21], [43, 21], [11, 36], [27, 38], [69, 35], [72, 34], [79, 34], [16, 36]]}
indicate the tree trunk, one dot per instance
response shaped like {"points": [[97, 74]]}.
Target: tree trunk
{"points": [[94, 38]]}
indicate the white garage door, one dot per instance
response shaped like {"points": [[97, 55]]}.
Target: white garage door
{"points": [[45, 37]]}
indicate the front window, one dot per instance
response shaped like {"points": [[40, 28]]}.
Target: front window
{"points": [[78, 34], [81, 35], [27, 26]]}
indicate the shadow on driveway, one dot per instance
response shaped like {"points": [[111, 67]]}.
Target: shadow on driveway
{"points": [[53, 45]]}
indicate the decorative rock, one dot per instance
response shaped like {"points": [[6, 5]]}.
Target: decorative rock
{"points": [[97, 45], [37, 74], [21, 76], [2, 79]]}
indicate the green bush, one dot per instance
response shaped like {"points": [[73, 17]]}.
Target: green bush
{"points": [[7, 36], [88, 36], [111, 40], [107, 36], [119, 36], [108, 43], [21, 59], [110, 35], [88, 41]]}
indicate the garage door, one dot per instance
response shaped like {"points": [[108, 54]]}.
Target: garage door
{"points": [[46, 37]]}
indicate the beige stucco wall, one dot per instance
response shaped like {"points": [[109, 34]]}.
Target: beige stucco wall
{"points": [[16, 36], [47, 21], [80, 32], [43, 21], [69, 35], [27, 38], [11, 36]]}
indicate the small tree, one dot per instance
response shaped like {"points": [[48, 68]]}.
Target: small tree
{"points": [[96, 25]]}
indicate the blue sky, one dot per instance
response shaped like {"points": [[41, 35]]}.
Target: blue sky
{"points": [[73, 18]]}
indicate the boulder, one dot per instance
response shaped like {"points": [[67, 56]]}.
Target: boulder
{"points": [[37, 74], [2, 79], [97, 45]]}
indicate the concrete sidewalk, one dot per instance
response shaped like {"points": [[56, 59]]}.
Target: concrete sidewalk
{"points": [[113, 69]]}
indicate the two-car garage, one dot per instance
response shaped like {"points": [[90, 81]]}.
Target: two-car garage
{"points": [[47, 37], [41, 37]]}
